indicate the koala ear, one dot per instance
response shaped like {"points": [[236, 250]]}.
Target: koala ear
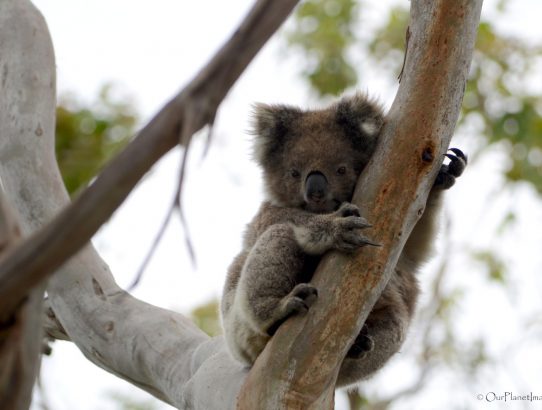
{"points": [[361, 119], [271, 125]]}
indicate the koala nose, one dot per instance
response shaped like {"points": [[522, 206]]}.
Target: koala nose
{"points": [[315, 187]]}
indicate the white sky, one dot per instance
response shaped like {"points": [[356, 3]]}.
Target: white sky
{"points": [[150, 50]]}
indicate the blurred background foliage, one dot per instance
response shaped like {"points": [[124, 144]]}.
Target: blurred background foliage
{"points": [[89, 134], [500, 109], [206, 318]]}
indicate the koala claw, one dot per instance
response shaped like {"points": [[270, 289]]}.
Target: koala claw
{"points": [[300, 299], [350, 212], [347, 209], [347, 219], [350, 241], [449, 172], [362, 345], [353, 222], [306, 292], [459, 153], [458, 162]]}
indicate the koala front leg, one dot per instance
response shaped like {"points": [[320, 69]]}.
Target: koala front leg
{"points": [[281, 256], [271, 285], [262, 292], [318, 233], [269, 279], [315, 236]]}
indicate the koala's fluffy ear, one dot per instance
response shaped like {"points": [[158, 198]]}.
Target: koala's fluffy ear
{"points": [[271, 125], [362, 120]]}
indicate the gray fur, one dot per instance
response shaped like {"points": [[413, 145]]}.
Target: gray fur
{"points": [[269, 280]]}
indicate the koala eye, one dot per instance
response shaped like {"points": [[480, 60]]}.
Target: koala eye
{"points": [[341, 170], [294, 173]]}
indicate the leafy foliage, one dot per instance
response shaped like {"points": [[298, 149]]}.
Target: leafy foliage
{"points": [[496, 268], [206, 318], [88, 136], [324, 32], [498, 94]]}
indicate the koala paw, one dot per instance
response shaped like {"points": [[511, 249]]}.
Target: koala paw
{"points": [[347, 221], [347, 209], [449, 172], [362, 345], [300, 299]]}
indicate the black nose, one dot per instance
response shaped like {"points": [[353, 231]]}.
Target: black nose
{"points": [[315, 187]]}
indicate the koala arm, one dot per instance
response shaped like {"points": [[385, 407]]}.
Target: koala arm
{"points": [[419, 244], [317, 233]]}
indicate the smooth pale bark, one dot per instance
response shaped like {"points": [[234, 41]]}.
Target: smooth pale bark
{"points": [[298, 368], [27, 112]]}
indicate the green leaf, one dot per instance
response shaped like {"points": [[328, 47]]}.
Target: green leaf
{"points": [[324, 33], [88, 136], [207, 319], [496, 268]]}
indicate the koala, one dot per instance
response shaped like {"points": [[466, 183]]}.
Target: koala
{"points": [[311, 160]]}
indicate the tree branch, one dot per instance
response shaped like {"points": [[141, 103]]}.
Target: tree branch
{"points": [[298, 368], [27, 104], [20, 329], [160, 351], [192, 109]]}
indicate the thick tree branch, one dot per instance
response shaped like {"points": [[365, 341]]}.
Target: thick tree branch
{"points": [[298, 368], [187, 113], [27, 106], [20, 329]]}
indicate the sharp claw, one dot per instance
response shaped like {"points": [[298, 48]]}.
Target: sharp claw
{"points": [[452, 157], [367, 241], [365, 225], [356, 223], [459, 153]]}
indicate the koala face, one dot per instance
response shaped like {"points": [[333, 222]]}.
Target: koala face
{"points": [[312, 159]]}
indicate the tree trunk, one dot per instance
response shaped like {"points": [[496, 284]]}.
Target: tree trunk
{"points": [[27, 115]]}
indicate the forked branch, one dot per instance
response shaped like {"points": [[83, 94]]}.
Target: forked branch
{"points": [[192, 109]]}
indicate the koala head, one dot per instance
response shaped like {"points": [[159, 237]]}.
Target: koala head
{"points": [[312, 159]]}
